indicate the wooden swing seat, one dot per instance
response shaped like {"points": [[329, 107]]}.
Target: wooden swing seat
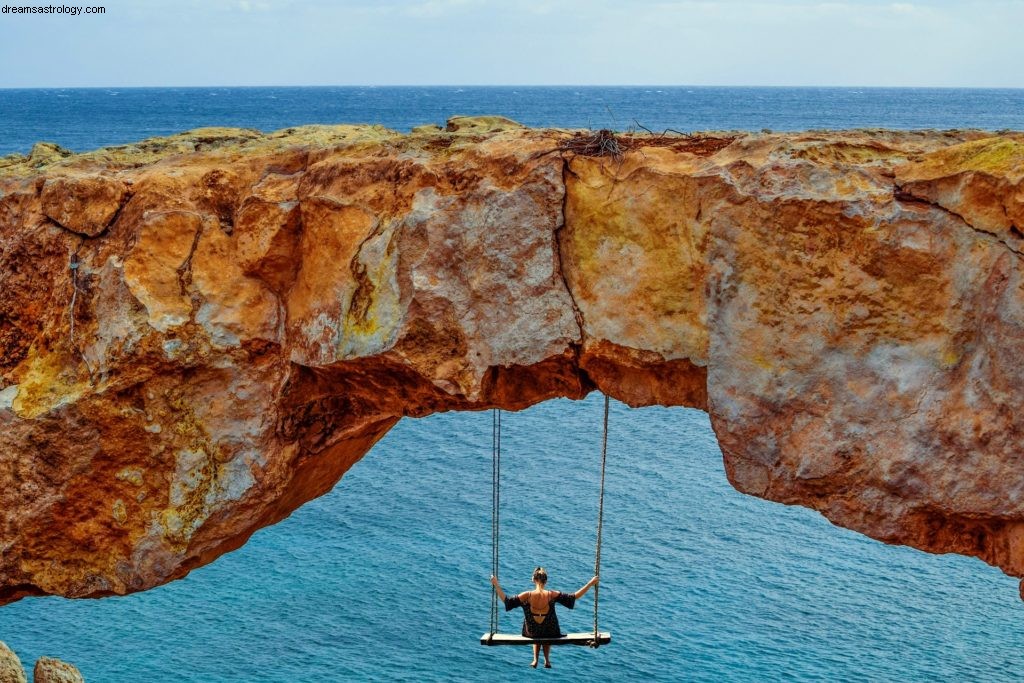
{"points": [[603, 638]]}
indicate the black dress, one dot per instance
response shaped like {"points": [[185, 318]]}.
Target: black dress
{"points": [[549, 627]]}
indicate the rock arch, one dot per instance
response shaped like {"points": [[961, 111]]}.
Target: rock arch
{"points": [[202, 332]]}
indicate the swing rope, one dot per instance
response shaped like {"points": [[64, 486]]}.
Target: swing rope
{"points": [[496, 518], [600, 519], [495, 509]]}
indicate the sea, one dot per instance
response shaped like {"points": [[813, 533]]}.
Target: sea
{"points": [[385, 578]]}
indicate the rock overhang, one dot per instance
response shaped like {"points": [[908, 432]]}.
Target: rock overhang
{"points": [[202, 332]]}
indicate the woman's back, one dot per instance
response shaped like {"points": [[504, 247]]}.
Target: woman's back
{"points": [[539, 618], [539, 601]]}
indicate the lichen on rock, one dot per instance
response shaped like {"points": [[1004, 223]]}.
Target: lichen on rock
{"points": [[200, 333]]}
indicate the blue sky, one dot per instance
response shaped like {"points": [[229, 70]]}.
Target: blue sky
{"points": [[977, 43]]}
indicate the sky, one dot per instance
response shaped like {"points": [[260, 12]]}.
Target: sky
{"points": [[970, 43]]}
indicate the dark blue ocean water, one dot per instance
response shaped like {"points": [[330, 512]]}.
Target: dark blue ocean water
{"points": [[85, 118], [385, 578]]}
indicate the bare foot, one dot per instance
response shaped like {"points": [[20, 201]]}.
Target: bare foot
{"points": [[547, 665], [534, 664]]}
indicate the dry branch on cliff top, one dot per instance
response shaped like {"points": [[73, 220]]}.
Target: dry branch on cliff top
{"points": [[608, 143]]}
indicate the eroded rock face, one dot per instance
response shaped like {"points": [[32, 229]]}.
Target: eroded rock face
{"points": [[86, 205], [11, 670], [51, 670], [200, 333]]}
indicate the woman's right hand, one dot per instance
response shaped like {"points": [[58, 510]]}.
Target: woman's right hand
{"points": [[586, 587]]}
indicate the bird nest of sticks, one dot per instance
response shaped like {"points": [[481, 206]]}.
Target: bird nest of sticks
{"points": [[608, 143], [594, 143]]}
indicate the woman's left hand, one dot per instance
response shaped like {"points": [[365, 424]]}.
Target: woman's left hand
{"points": [[494, 581]]}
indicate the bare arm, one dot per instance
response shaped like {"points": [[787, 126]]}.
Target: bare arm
{"points": [[583, 591], [497, 587]]}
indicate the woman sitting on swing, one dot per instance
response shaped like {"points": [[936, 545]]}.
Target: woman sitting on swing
{"points": [[539, 618]]}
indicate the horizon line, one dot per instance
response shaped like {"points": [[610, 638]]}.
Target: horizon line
{"points": [[516, 85]]}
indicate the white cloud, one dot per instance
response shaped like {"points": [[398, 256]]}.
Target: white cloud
{"points": [[437, 8]]}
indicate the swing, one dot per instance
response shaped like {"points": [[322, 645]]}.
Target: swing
{"points": [[593, 638]]}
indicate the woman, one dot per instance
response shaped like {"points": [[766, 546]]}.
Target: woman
{"points": [[539, 618]]}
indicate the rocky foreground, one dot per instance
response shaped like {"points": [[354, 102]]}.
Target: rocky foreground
{"points": [[46, 670], [200, 333]]}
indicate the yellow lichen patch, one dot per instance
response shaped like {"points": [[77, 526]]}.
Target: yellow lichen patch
{"points": [[132, 475], [187, 425], [119, 512], [981, 182], [848, 153], [47, 380], [192, 478], [998, 156], [322, 135], [191, 483], [949, 358], [325, 283], [858, 185], [642, 218], [213, 142], [375, 312]]}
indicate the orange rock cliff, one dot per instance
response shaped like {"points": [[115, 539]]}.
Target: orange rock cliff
{"points": [[200, 333]]}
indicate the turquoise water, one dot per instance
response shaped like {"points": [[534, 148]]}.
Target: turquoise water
{"points": [[385, 578]]}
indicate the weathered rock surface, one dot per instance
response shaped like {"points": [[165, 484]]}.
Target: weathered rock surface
{"points": [[50, 670], [11, 670], [200, 333]]}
